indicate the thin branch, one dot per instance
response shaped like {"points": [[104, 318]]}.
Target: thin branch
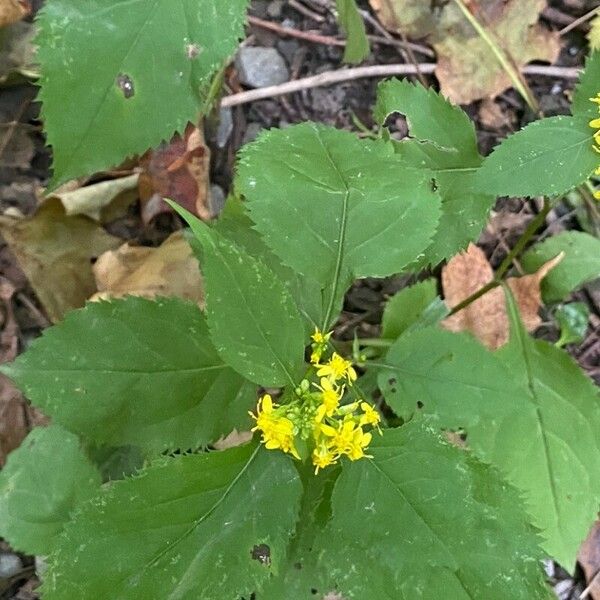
{"points": [[342, 75], [579, 21]]}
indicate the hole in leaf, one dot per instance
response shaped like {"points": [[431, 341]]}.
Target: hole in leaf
{"points": [[125, 84], [419, 404], [261, 553]]}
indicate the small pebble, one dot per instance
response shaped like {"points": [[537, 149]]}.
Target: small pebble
{"points": [[260, 67], [225, 127], [10, 565]]}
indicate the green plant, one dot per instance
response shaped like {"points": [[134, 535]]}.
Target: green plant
{"points": [[335, 493]]}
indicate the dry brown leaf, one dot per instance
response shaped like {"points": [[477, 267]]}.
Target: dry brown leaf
{"points": [[467, 69], [589, 559], [169, 270], [179, 171], [92, 200], [12, 11], [486, 317], [235, 438], [56, 253]]}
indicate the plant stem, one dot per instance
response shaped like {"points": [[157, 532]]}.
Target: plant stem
{"points": [[529, 232], [517, 79]]}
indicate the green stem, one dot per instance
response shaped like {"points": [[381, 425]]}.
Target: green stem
{"points": [[529, 232], [517, 79]]}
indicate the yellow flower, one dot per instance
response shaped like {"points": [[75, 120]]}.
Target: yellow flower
{"points": [[337, 368], [370, 416], [277, 430], [318, 337], [320, 341], [330, 395], [322, 457], [348, 439]]}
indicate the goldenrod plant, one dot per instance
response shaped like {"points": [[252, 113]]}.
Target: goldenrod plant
{"points": [[349, 484]]}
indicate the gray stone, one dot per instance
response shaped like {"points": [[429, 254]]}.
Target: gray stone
{"points": [[10, 565], [274, 9], [261, 67], [225, 126], [217, 199], [251, 133]]}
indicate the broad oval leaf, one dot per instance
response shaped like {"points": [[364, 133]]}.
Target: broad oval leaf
{"points": [[115, 81], [581, 262], [421, 519], [355, 209], [135, 372], [43, 481], [548, 157], [444, 142], [254, 322], [207, 527]]}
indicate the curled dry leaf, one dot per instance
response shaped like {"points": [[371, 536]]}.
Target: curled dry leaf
{"points": [[56, 253], [589, 559], [179, 171], [169, 270], [91, 200], [486, 317], [12, 11], [235, 438], [467, 68]]}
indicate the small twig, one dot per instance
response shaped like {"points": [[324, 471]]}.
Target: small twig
{"points": [[289, 31], [588, 589], [311, 14], [343, 75], [578, 22]]}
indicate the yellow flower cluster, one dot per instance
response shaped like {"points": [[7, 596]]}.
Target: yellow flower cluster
{"points": [[595, 124], [315, 421]]}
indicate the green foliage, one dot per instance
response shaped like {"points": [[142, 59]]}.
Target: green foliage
{"points": [[588, 87], [424, 518], [417, 305], [135, 372], [357, 46], [115, 81], [180, 529], [573, 321], [340, 197], [527, 409], [548, 157], [41, 484], [581, 262], [254, 322], [444, 142]]}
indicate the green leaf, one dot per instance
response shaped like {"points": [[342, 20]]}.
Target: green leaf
{"points": [[135, 372], [573, 321], [588, 87], [253, 320], [422, 519], [41, 484], [430, 117], [559, 434], [548, 157], [235, 224], [580, 264], [354, 208], [411, 306], [357, 45], [207, 526], [109, 67], [444, 141], [528, 410]]}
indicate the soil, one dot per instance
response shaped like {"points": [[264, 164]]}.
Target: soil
{"points": [[25, 163]]}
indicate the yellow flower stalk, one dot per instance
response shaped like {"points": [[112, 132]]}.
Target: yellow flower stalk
{"points": [[277, 430], [595, 124]]}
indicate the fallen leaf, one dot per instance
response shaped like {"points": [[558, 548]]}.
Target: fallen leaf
{"points": [[486, 317], [90, 200], [179, 171], [589, 559], [56, 253], [235, 438], [17, 145], [467, 68], [17, 51], [169, 270], [12, 11]]}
